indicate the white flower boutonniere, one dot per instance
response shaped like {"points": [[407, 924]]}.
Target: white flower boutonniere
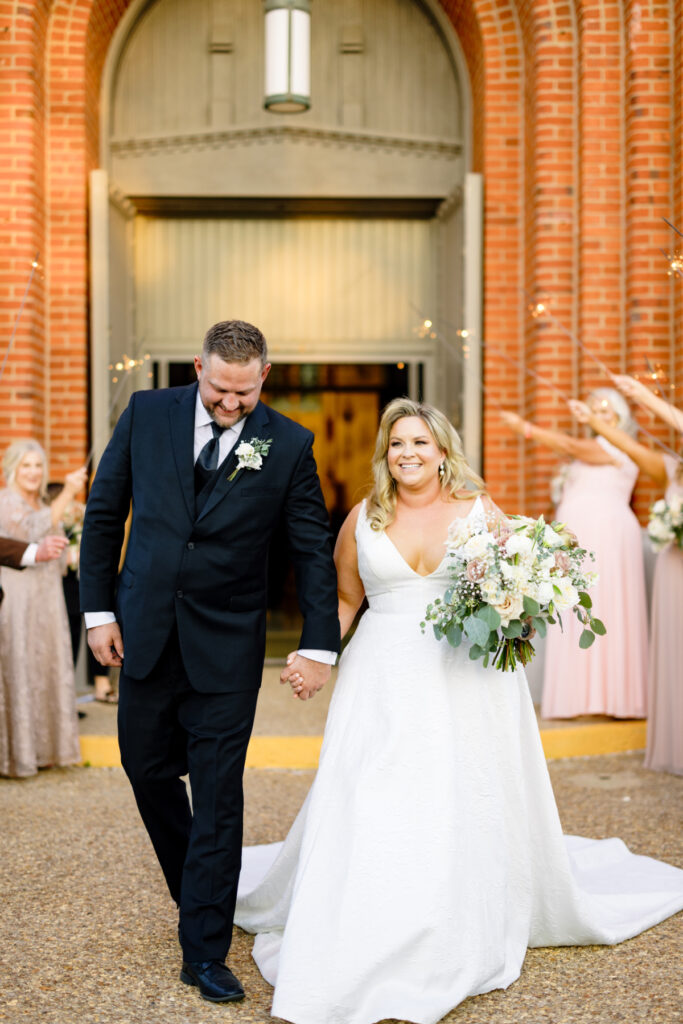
{"points": [[250, 454]]}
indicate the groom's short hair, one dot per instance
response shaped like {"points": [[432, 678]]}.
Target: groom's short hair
{"points": [[235, 341]]}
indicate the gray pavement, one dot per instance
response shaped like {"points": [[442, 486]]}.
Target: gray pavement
{"points": [[88, 932]]}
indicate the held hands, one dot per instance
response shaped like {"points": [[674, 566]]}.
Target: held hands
{"points": [[305, 677], [106, 643], [50, 548]]}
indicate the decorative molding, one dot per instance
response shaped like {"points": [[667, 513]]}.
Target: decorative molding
{"points": [[452, 201], [122, 202], [404, 145]]}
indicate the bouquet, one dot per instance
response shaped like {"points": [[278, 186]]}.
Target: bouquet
{"points": [[509, 580], [72, 524], [666, 523]]}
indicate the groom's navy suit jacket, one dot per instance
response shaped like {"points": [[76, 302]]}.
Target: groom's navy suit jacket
{"points": [[205, 573]]}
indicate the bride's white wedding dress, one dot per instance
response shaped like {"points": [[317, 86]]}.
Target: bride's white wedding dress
{"points": [[428, 854]]}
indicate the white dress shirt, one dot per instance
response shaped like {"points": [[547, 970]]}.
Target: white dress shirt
{"points": [[29, 556], [226, 442]]}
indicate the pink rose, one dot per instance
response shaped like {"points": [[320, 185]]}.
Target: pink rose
{"points": [[562, 561], [476, 570]]}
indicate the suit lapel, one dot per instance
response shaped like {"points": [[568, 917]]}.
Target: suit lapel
{"points": [[181, 416], [254, 426]]}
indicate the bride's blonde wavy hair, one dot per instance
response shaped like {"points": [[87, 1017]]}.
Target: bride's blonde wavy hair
{"points": [[381, 504]]}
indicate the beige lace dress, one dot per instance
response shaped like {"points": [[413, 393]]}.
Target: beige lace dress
{"points": [[38, 720]]}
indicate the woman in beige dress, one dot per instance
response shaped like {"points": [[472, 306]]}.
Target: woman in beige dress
{"points": [[38, 721], [664, 750]]}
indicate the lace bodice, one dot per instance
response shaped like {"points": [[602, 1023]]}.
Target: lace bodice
{"points": [[391, 586]]}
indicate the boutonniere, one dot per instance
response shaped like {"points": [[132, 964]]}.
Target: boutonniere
{"points": [[250, 454]]}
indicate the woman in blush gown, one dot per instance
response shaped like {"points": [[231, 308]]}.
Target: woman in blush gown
{"points": [[665, 678], [38, 721], [428, 854], [610, 678]]}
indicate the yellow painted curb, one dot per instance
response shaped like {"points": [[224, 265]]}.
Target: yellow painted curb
{"points": [[589, 740], [100, 751], [302, 752]]}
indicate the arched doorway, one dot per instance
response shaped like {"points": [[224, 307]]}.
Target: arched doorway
{"points": [[341, 231]]}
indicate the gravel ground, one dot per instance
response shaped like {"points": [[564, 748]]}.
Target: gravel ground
{"points": [[88, 933], [278, 713]]}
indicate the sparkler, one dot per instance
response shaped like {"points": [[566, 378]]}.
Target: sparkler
{"points": [[674, 259], [34, 266], [426, 329], [538, 309]]}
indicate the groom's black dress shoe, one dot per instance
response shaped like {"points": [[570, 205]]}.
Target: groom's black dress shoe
{"points": [[215, 981]]}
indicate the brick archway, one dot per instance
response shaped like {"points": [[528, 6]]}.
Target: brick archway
{"points": [[577, 123]]}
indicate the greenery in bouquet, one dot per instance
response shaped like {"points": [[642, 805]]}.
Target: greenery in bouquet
{"points": [[509, 580], [666, 523], [72, 524]]}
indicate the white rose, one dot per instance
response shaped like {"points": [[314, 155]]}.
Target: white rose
{"points": [[659, 507], [545, 592], [491, 592], [517, 575], [458, 533], [477, 545], [568, 596], [658, 529], [518, 544], [551, 539], [511, 607]]}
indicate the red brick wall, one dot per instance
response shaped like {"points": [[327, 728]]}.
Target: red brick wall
{"points": [[577, 125], [22, 219]]}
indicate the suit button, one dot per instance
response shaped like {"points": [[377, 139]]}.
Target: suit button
{"points": [[178, 593], [190, 545]]}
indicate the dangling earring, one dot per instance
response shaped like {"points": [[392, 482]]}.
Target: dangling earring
{"points": [[442, 470]]}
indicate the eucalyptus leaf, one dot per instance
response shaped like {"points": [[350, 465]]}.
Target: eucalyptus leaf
{"points": [[489, 615], [598, 627], [531, 607], [513, 630], [584, 599], [539, 625], [586, 639], [476, 631], [454, 634], [475, 652]]}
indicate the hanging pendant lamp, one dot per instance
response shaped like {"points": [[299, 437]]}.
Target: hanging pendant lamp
{"points": [[288, 56]]}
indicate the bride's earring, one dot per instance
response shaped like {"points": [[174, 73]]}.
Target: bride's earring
{"points": [[442, 470]]}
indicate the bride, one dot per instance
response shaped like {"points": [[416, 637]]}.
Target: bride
{"points": [[428, 854]]}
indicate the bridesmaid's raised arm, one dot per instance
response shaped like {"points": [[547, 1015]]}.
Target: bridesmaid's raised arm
{"points": [[586, 449], [649, 462]]}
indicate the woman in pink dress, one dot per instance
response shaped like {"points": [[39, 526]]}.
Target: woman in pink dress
{"points": [[610, 677], [665, 678]]}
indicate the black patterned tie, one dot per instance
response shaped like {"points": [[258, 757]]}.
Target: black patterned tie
{"points": [[207, 460]]}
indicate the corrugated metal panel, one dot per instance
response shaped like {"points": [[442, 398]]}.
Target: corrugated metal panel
{"points": [[178, 69], [322, 286]]}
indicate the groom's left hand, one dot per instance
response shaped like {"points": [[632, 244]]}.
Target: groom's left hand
{"points": [[305, 676]]}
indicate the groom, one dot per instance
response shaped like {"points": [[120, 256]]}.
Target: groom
{"points": [[211, 472]]}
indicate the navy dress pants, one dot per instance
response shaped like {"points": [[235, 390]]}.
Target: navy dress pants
{"points": [[167, 729]]}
